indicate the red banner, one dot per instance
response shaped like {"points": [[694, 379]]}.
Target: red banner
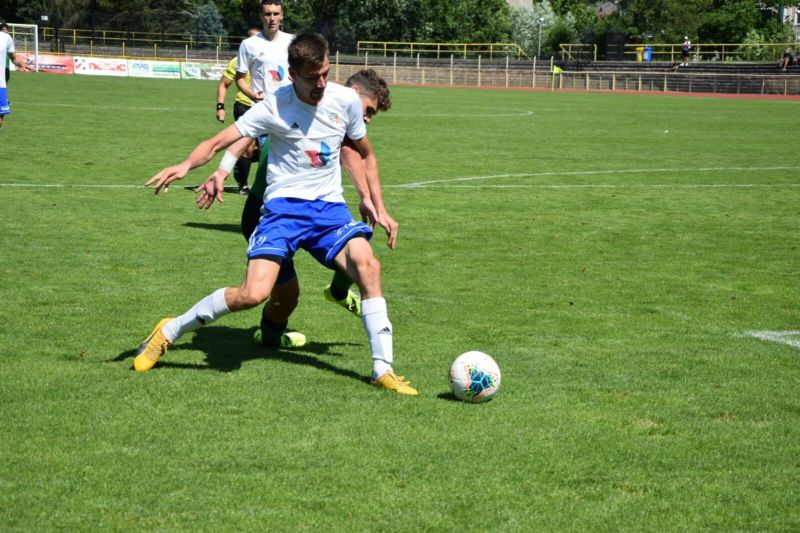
{"points": [[50, 63]]}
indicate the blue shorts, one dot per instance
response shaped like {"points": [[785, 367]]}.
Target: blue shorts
{"points": [[5, 109], [289, 224]]}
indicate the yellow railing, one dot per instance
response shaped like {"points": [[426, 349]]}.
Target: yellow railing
{"points": [[578, 52], [442, 50], [714, 52], [67, 36]]}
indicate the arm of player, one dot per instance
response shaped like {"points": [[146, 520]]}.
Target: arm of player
{"points": [[352, 162], [222, 90], [202, 154], [18, 62], [241, 83], [212, 188], [373, 181]]}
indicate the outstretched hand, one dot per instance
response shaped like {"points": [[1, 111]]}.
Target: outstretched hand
{"points": [[167, 176], [211, 190]]}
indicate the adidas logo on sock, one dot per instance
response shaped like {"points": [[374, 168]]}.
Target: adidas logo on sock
{"points": [[385, 331]]}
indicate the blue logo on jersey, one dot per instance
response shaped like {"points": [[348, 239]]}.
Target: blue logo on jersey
{"points": [[320, 158]]}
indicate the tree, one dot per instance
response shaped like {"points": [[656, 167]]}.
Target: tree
{"points": [[208, 23], [661, 21]]}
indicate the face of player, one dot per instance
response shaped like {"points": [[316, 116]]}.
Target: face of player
{"points": [[310, 82], [271, 17], [369, 104]]}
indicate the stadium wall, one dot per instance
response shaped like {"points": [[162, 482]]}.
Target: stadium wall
{"points": [[549, 77]]}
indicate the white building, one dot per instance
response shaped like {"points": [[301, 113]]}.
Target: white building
{"points": [[791, 14]]}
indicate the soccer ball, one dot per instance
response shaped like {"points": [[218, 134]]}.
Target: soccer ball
{"points": [[474, 377]]}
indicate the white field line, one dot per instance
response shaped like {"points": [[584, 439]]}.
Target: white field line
{"points": [[449, 182], [512, 113], [515, 113], [781, 337], [117, 108], [461, 182], [68, 186]]}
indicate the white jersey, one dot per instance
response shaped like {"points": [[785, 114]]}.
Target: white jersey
{"points": [[266, 61], [305, 140], [6, 47]]}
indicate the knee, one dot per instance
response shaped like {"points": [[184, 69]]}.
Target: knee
{"points": [[369, 270], [250, 297]]}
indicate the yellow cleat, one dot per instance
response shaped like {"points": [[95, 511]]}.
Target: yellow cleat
{"points": [[289, 339], [352, 303], [153, 347], [392, 381]]}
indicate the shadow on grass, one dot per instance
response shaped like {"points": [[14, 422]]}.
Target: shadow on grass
{"points": [[228, 189], [228, 348], [228, 228], [448, 396]]}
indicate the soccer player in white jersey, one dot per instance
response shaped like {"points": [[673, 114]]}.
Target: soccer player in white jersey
{"points": [[304, 206], [264, 55], [7, 49]]}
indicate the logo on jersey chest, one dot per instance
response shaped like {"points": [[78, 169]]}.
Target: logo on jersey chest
{"points": [[277, 74], [320, 156]]}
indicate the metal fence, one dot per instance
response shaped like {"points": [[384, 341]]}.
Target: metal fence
{"points": [[770, 52], [487, 68], [541, 76], [111, 43], [440, 50]]}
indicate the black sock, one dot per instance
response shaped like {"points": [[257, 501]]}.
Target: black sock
{"points": [[241, 171], [270, 331], [340, 285]]}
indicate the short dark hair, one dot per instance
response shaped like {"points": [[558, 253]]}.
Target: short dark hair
{"points": [[308, 48], [372, 84], [276, 2], [3, 26]]}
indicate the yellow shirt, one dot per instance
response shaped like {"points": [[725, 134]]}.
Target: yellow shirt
{"points": [[230, 73]]}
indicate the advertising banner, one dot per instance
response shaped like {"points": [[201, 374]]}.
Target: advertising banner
{"points": [[100, 66], [49, 63], [139, 68], [202, 71]]}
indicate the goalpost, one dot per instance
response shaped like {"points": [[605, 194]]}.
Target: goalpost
{"points": [[26, 40]]}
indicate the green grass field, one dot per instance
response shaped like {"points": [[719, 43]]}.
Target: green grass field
{"points": [[612, 252]]}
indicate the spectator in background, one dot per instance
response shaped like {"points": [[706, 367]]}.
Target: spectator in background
{"points": [[787, 60], [685, 49]]}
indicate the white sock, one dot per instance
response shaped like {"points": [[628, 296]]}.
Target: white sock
{"points": [[206, 311], [379, 330]]}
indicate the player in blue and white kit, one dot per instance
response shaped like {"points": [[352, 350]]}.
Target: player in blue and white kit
{"points": [[7, 49], [304, 206]]}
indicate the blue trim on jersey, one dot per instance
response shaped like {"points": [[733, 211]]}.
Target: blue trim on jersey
{"points": [[289, 224]]}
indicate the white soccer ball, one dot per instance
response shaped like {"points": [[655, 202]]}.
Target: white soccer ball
{"points": [[474, 377]]}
